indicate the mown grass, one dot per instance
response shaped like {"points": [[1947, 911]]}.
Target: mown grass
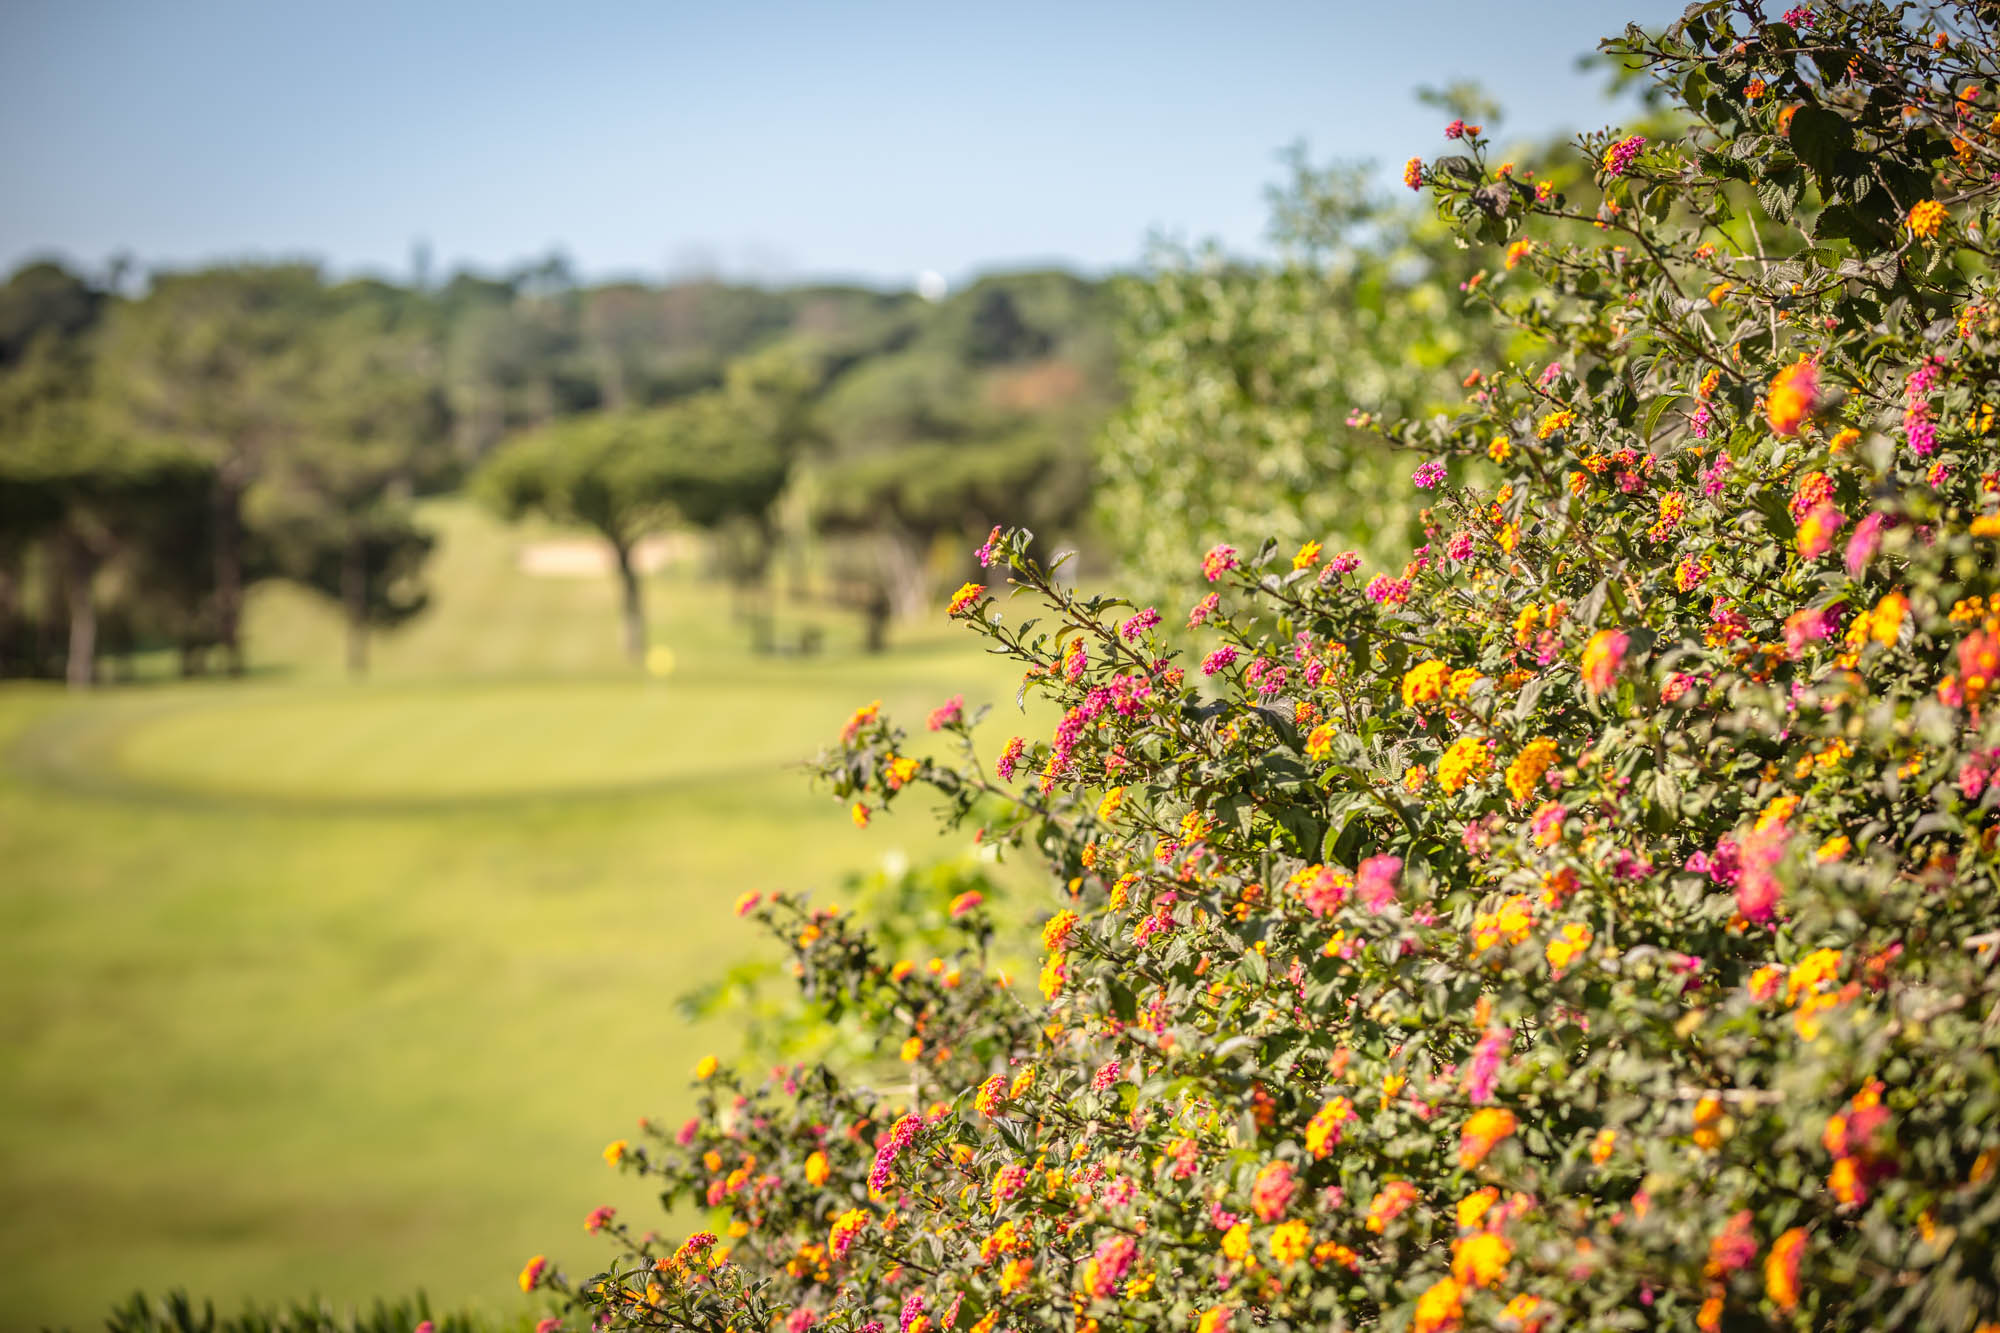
{"points": [[310, 986]]}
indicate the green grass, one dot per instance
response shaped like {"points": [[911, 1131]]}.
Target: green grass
{"points": [[310, 986]]}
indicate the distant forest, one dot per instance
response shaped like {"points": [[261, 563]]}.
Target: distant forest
{"points": [[160, 453]]}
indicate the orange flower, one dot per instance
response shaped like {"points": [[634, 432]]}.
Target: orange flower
{"points": [[1781, 1269], [966, 596], [1793, 395], [1440, 1307], [1602, 657], [1486, 1127], [1389, 1204]]}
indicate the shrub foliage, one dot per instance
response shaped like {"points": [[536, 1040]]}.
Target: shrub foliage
{"points": [[1589, 924]]}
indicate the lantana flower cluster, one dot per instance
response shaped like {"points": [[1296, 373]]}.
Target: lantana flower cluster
{"points": [[1596, 928]]}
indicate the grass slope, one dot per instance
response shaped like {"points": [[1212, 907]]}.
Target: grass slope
{"points": [[317, 987]]}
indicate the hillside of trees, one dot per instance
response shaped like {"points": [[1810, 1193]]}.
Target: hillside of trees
{"points": [[162, 451]]}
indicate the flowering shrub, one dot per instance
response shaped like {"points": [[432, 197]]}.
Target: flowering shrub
{"points": [[1590, 923]]}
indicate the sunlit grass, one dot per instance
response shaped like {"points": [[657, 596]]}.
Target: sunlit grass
{"points": [[309, 985]]}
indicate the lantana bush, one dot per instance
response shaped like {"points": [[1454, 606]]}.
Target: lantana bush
{"points": [[1590, 923]]}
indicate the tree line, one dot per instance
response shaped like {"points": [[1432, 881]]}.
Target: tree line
{"points": [[163, 451]]}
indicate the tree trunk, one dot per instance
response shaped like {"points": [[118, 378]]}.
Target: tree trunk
{"points": [[79, 572], [10, 599], [229, 571], [909, 582], [633, 608], [354, 598], [875, 616]]}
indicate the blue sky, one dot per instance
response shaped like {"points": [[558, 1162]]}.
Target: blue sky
{"points": [[769, 140]]}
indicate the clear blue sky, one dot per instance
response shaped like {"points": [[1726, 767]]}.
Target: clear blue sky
{"points": [[774, 140]]}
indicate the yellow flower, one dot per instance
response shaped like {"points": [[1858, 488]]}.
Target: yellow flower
{"points": [[1424, 683], [705, 1067], [1603, 1145], [1236, 1243], [1440, 1307], [1986, 525], [1501, 449], [913, 1050], [1465, 761], [1307, 557], [1525, 773], [1559, 420], [1215, 1319], [967, 595], [1473, 1207], [1833, 849], [1567, 943], [1108, 807], [1290, 1242], [1414, 778], [1480, 1260], [1719, 292], [1508, 924], [817, 1169], [1925, 218], [614, 1152], [1320, 743]]}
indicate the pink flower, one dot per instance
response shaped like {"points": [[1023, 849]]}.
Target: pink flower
{"points": [[1345, 563], [1428, 475], [1203, 609], [1806, 627], [1385, 591], [1375, 881], [986, 552], [1861, 547], [1618, 157], [1219, 660], [1138, 624], [1757, 888], [1219, 561], [1107, 1075], [1484, 1070], [946, 714], [1009, 758], [965, 902]]}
